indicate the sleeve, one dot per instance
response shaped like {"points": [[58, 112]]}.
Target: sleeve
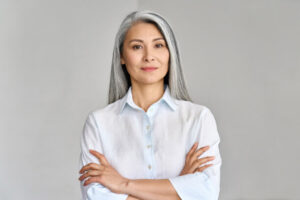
{"points": [[203, 185], [90, 139]]}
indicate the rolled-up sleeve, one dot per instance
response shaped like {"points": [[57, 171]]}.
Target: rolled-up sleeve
{"points": [[203, 185], [90, 139]]}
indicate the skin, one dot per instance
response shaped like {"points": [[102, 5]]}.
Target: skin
{"points": [[143, 46]]}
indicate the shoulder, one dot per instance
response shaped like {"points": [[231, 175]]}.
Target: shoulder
{"points": [[107, 112], [191, 108], [202, 116]]}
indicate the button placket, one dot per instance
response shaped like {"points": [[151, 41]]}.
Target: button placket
{"points": [[150, 111], [148, 145]]}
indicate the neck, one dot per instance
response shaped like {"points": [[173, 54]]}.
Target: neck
{"points": [[144, 95]]}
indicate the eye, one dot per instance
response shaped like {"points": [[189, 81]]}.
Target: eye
{"points": [[136, 47], [159, 45]]}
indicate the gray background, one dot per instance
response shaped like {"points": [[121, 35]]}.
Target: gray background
{"points": [[241, 58]]}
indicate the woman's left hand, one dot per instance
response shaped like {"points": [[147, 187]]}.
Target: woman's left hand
{"points": [[104, 174]]}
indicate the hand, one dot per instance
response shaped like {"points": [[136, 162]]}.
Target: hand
{"points": [[104, 174], [192, 163]]}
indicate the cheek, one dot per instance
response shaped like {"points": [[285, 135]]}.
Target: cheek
{"points": [[132, 63], [132, 58], [165, 62], [165, 57]]}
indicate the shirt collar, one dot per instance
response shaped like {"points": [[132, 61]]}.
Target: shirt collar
{"points": [[167, 98]]}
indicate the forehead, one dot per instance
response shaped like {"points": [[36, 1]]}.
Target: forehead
{"points": [[143, 30]]}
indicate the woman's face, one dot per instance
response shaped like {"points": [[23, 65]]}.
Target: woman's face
{"points": [[145, 54]]}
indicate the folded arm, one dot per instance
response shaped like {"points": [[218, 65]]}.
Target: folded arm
{"points": [[194, 186], [199, 185], [147, 189], [90, 140]]}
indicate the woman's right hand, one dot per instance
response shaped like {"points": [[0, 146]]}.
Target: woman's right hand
{"points": [[192, 163]]}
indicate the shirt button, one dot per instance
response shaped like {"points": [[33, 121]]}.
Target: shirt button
{"points": [[149, 146], [149, 166], [148, 127]]}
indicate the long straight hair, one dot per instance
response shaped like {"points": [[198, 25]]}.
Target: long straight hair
{"points": [[120, 78]]}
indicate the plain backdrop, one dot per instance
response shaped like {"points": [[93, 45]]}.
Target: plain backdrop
{"points": [[240, 58]]}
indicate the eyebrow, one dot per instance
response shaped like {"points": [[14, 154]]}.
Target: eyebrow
{"points": [[138, 40]]}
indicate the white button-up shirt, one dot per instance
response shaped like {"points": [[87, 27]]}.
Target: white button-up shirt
{"points": [[152, 145]]}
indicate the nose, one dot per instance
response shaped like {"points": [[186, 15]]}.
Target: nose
{"points": [[148, 57]]}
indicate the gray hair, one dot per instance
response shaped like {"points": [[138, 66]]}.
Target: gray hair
{"points": [[120, 78]]}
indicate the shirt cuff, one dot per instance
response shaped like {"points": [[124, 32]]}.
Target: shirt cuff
{"points": [[97, 192], [194, 186]]}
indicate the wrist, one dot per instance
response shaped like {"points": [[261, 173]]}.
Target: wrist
{"points": [[129, 186], [125, 186]]}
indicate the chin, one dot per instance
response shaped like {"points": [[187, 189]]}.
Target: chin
{"points": [[149, 82]]}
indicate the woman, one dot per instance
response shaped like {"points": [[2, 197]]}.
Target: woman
{"points": [[146, 143]]}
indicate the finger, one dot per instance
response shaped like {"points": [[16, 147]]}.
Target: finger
{"points": [[89, 167], [90, 180], [199, 152], [194, 147], [100, 157], [201, 169], [90, 173], [201, 161]]}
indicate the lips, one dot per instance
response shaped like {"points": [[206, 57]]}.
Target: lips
{"points": [[149, 69]]}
